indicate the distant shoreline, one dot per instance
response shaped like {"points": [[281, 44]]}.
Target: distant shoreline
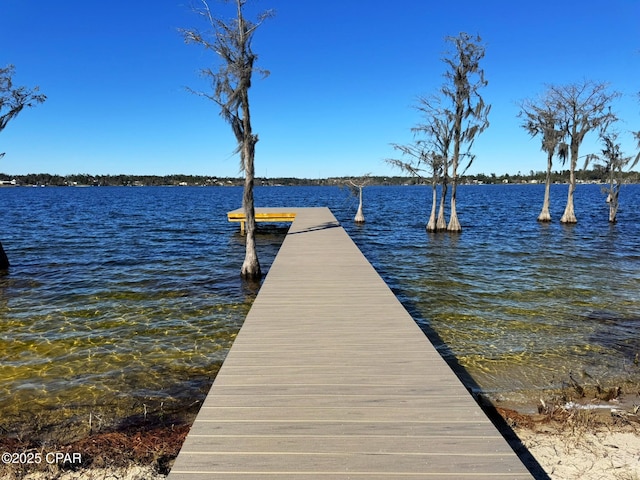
{"points": [[87, 180]]}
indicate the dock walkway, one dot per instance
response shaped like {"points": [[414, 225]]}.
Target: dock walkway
{"points": [[331, 378]]}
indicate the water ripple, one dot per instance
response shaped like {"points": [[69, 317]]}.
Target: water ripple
{"points": [[122, 300]]}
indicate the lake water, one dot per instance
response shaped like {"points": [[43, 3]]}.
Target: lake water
{"points": [[122, 302]]}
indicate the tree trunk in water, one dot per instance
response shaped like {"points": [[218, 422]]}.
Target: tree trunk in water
{"points": [[431, 225], [569, 215], [4, 260], [441, 223], [545, 215], [359, 215], [613, 206], [454, 224], [251, 265]]}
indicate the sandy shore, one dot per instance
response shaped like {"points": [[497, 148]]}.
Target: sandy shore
{"points": [[568, 443], [134, 472], [582, 443], [596, 455], [564, 455]]}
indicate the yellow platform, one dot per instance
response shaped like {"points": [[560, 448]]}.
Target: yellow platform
{"points": [[263, 214]]}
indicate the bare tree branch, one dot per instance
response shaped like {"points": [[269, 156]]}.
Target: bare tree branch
{"points": [[14, 99], [541, 120], [231, 42], [614, 162], [580, 108], [463, 80]]}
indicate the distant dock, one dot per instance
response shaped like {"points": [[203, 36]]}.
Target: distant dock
{"points": [[331, 378]]}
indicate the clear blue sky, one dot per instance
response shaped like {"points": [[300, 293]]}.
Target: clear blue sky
{"points": [[344, 75]]}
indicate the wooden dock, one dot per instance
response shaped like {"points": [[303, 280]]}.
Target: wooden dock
{"points": [[331, 378]]}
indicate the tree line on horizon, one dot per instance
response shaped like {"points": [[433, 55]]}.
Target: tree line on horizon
{"points": [[597, 174]]}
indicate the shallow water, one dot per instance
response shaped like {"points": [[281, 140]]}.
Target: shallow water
{"points": [[124, 301], [522, 305]]}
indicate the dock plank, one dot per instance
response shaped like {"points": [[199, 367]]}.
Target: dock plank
{"points": [[330, 378]]}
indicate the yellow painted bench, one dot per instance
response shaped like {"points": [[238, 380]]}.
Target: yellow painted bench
{"points": [[263, 214]]}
